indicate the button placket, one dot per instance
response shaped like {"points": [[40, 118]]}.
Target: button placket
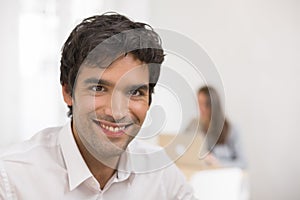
{"points": [[100, 196]]}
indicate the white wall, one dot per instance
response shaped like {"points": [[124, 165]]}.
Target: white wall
{"points": [[255, 46], [9, 77]]}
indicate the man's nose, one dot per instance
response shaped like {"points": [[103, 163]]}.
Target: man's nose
{"points": [[118, 106]]}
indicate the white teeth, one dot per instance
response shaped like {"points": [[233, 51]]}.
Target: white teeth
{"points": [[112, 129]]}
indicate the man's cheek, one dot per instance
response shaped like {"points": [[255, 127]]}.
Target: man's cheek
{"points": [[85, 104], [140, 110]]}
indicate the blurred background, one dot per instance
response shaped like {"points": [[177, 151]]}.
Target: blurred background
{"points": [[254, 44]]}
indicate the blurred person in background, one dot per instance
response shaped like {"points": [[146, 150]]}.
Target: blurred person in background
{"points": [[108, 74], [224, 146]]}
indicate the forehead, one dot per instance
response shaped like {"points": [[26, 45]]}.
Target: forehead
{"points": [[202, 96], [126, 69]]}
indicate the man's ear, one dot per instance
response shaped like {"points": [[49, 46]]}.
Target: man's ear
{"points": [[67, 95]]}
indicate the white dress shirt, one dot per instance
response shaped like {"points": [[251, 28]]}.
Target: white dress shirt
{"points": [[49, 166]]}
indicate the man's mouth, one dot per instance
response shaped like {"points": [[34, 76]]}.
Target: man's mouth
{"points": [[113, 129]]}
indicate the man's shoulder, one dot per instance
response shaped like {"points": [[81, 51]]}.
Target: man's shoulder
{"points": [[36, 145], [148, 157], [140, 146]]}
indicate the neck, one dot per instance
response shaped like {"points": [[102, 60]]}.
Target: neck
{"points": [[204, 124], [103, 170]]}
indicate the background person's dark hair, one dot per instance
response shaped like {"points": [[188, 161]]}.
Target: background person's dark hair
{"points": [[219, 120], [92, 31]]}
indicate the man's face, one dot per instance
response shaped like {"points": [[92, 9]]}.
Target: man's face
{"points": [[109, 106]]}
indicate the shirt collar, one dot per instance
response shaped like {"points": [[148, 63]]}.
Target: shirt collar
{"points": [[124, 166], [77, 169]]}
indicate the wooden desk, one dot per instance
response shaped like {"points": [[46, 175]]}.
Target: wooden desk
{"points": [[189, 162]]}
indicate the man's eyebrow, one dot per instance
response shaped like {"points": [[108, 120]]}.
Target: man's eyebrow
{"points": [[139, 86], [97, 81], [142, 86]]}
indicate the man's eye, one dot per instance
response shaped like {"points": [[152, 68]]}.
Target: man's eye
{"points": [[136, 93], [98, 88]]}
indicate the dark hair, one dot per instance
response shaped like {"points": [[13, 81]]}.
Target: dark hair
{"points": [[217, 116], [97, 34]]}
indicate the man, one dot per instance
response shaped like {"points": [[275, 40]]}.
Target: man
{"points": [[109, 68]]}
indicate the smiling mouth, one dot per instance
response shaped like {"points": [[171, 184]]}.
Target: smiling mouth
{"points": [[112, 129]]}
